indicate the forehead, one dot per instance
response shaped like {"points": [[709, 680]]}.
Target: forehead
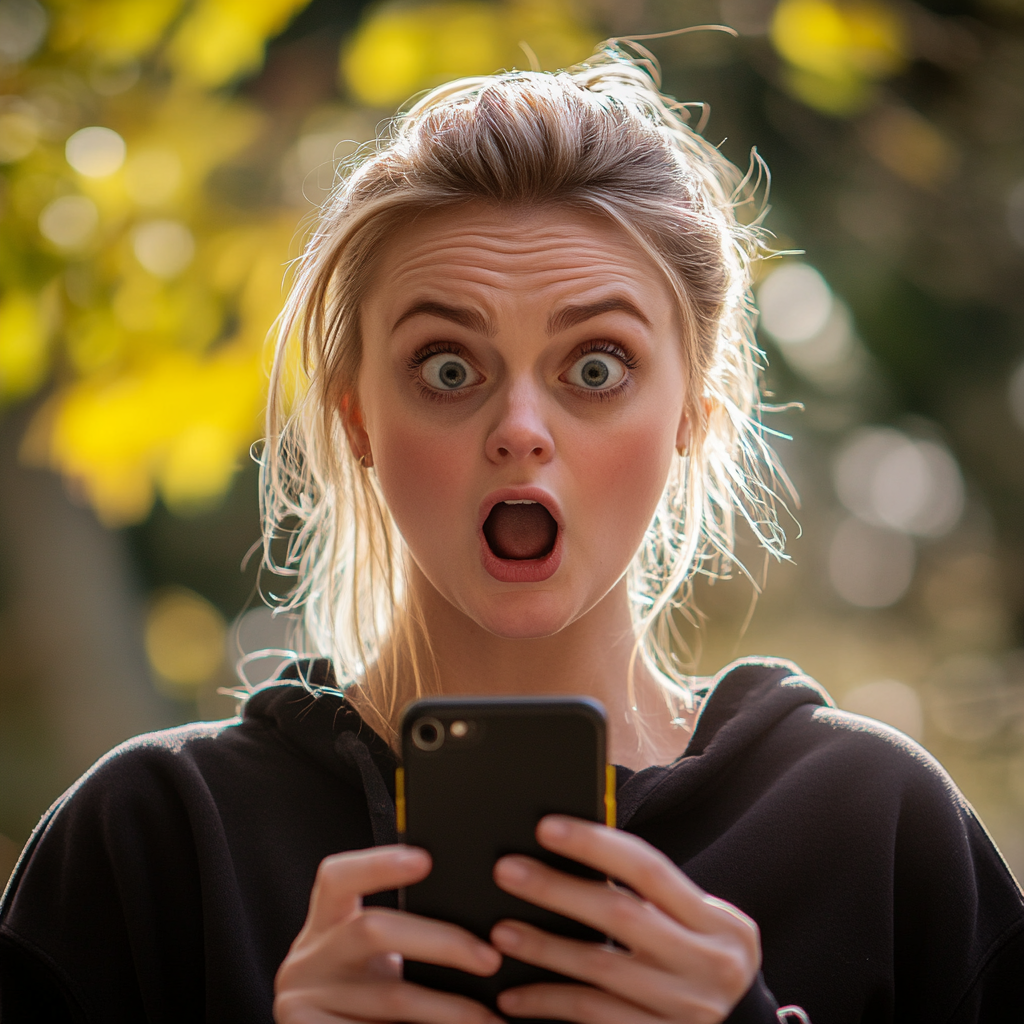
{"points": [[546, 251]]}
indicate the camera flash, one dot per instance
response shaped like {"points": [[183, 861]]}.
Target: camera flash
{"points": [[458, 729]]}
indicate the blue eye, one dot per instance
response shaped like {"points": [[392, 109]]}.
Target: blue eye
{"points": [[448, 372], [596, 371]]}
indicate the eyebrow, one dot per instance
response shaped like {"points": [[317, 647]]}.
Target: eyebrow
{"points": [[461, 315], [570, 316]]}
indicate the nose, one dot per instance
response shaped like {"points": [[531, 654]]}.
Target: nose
{"points": [[521, 431]]}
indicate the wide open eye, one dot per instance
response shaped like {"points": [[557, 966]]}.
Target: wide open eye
{"points": [[596, 371], [448, 372]]}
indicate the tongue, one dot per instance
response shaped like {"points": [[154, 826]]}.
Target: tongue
{"points": [[520, 531]]}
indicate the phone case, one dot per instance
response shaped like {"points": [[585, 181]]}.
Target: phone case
{"points": [[479, 795]]}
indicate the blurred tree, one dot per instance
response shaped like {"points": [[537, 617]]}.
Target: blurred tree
{"points": [[157, 162]]}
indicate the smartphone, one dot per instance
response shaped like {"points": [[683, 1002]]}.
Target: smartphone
{"points": [[477, 775]]}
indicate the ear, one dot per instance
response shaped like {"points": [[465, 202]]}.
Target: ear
{"points": [[684, 432], [355, 430]]}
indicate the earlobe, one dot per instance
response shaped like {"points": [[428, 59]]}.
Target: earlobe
{"points": [[351, 413], [683, 436]]}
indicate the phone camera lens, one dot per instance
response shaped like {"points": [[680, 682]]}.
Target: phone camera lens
{"points": [[428, 734]]}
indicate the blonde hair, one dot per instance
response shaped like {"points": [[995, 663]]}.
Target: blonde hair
{"points": [[600, 138]]}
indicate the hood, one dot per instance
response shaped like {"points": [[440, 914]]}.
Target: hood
{"points": [[744, 701], [303, 707]]}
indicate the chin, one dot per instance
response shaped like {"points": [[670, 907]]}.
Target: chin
{"points": [[524, 616]]}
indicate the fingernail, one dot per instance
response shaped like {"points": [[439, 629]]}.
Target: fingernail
{"points": [[511, 869], [554, 827], [505, 936]]}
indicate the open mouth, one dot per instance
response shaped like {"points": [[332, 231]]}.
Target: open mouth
{"points": [[520, 530]]}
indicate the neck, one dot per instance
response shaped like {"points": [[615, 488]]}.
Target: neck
{"points": [[590, 657]]}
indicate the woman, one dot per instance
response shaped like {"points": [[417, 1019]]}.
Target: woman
{"points": [[529, 415]]}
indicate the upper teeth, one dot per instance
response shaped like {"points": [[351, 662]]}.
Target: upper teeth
{"points": [[519, 501]]}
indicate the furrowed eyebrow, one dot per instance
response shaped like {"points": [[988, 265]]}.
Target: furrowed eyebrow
{"points": [[460, 315], [570, 316]]}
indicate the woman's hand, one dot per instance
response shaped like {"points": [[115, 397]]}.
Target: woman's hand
{"points": [[346, 963], [688, 957]]}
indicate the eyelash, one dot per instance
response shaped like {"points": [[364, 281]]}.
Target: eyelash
{"points": [[610, 348], [447, 347], [434, 348]]}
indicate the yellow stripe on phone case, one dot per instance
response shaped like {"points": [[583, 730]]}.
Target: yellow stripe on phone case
{"points": [[609, 795], [400, 799]]}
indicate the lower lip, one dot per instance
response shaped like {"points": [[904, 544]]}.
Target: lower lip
{"points": [[525, 570]]}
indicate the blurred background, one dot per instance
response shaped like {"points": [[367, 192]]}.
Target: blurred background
{"points": [[159, 163]]}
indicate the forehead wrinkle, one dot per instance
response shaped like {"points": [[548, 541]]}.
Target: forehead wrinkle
{"points": [[476, 263], [573, 263]]}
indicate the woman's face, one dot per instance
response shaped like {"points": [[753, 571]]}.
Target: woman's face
{"points": [[522, 392]]}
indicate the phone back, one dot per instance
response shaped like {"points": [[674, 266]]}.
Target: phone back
{"points": [[477, 776]]}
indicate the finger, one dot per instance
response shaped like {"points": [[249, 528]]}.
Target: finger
{"points": [[637, 924], [343, 878], [639, 865], [360, 941], [653, 989], [383, 1001], [650, 933], [578, 1003]]}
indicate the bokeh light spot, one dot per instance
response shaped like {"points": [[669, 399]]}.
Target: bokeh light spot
{"points": [[184, 638], [910, 146], [889, 480], [69, 222], [889, 701], [970, 699], [868, 566], [795, 303], [164, 247], [19, 133], [22, 29], [95, 152]]}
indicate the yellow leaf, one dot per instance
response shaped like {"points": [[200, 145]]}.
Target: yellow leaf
{"points": [[222, 39], [811, 34], [113, 29], [24, 353], [387, 59], [397, 51], [198, 467], [836, 52], [182, 423]]}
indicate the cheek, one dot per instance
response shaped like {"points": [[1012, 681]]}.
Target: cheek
{"points": [[628, 474], [421, 475]]}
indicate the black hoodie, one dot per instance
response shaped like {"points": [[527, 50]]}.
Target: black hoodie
{"points": [[168, 883]]}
